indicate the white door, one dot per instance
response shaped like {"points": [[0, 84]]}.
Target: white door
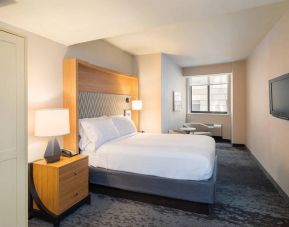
{"points": [[13, 152]]}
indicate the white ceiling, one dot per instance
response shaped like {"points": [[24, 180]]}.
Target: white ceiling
{"points": [[192, 31], [209, 40]]}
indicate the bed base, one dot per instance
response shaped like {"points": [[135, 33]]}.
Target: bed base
{"points": [[186, 190], [199, 208]]}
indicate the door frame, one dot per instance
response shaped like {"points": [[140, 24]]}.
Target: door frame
{"points": [[25, 195]]}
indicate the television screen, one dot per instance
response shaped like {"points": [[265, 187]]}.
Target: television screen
{"points": [[279, 97]]}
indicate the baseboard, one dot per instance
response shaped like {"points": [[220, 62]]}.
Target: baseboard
{"points": [[276, 185], [220, 139], [238, 145]]}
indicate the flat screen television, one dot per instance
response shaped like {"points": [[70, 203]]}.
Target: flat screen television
{"points": [[279, 96]]}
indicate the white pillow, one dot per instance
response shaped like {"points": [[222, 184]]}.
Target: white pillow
{"points": [[84, 142], [99, 131], [124, 125]]}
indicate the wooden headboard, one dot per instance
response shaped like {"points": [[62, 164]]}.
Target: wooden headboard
{"points": [[80, 76]]}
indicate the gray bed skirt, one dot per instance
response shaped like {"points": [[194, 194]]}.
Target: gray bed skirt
{"points": [[194, 191]]}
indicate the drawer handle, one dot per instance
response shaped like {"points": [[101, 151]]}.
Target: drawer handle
{"points": [[75, 194]]}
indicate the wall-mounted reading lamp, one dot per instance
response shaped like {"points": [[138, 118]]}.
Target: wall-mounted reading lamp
{"points": [[136, 105]]}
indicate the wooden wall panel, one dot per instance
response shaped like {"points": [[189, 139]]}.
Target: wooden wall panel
{"points": [[91, 80], [70, 101]]}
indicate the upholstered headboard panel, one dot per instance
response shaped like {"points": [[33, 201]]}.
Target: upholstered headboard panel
{"points": [[91, 104]]}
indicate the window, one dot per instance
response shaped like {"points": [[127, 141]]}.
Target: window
{"points": [[209, 94]]}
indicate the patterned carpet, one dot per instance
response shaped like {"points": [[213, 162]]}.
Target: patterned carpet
{"points": [[245, 197]]}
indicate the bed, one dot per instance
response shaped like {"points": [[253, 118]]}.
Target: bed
{"points": [[170, 165], [90, 92]]}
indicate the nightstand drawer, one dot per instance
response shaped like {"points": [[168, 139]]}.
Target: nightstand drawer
{"points": [[73, 182], [72, 194], [73, 169], [76, 179], [73, 174]]}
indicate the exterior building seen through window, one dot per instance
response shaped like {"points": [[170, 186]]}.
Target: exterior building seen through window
{"points": [[209, 94]]}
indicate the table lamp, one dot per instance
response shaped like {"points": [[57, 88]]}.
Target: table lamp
{"points": [[52, 123], [136, 105]]}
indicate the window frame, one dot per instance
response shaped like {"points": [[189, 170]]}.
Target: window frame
{"points": [[208, 94]]}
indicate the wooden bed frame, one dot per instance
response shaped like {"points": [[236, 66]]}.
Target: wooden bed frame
{"points": [[81, 76]]}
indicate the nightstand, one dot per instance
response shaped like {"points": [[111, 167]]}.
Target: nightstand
{"points": [[58, 188]]}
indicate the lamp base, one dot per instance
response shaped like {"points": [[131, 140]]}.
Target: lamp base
{"points": [[53, 151]]}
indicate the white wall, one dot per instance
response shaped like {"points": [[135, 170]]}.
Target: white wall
{"points": [[104, 54], [268, 137], [149, 72], [44, 77], [44, 65], [172, 80]]}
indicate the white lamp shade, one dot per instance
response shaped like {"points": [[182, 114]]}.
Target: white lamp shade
{"points": [[51, 122], [136, 105]]}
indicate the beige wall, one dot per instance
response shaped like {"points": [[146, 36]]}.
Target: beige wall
{"points": [[44, 77], [207, 69], [267, 136], [104, 54], [159, 76], [238, 107], [234, 122], [172, 80], [149, 72], [44, 67]]}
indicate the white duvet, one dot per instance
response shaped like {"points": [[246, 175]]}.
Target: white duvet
{"points": [[184, 157]]}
